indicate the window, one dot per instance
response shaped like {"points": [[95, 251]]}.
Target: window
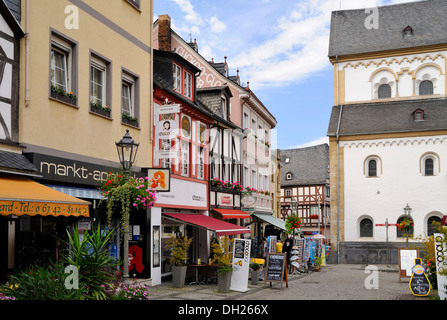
{"points": [[63, 66], [135, 3], [418, 115], [288, 176], [429, 164], [431, 229], [288, 192], [200, 162], [253, 179], [59, 71], [246, 179], [366, 228], [287, 160], [188, 85], [384, 91], [185, 158], [245, 121], [177, 75], [130, 90], [100, 83], [223, 102], [425, 88], [404, 233], [372, 168], [428, 167]]}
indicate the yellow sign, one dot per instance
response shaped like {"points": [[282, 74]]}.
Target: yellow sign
{"points": [[30, 208]]}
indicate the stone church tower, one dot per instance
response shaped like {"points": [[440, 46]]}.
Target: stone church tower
{"points": [[388, 127]]}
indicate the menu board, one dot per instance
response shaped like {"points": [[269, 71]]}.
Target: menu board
{"points": [[419, 284], [406, 262], [274, 271]]}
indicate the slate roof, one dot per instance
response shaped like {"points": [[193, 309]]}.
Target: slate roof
{"points": [[388, 117], [308, 166], [428, 19], [16, 162]]}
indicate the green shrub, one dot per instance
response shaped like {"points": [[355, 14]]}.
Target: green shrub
{"points": [[41, 283]]}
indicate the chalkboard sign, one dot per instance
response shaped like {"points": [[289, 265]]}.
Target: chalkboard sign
{"points": [[419, 284], [275, 268]]}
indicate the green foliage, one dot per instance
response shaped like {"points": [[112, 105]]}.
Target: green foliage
{"points": [[179, 249], [41, 283], [92, 258], [223, 254], [255, 266], [292, 222]]}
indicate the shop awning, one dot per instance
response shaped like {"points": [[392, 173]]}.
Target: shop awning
{"points": [[20, 196], [233, 214], [270, 219], [222, 228]]}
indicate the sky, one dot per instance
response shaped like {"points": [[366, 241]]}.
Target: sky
{"points": [[279, 46]]}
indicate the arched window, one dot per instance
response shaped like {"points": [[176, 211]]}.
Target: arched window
{"points": [[404, 233], [429, 167], [384, 91], [372, 168], [430, 227], [366, 228], [425, 88]]}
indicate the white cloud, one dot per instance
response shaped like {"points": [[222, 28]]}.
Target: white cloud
{"points": [[315, 142], [191, 15], [217, 25]]}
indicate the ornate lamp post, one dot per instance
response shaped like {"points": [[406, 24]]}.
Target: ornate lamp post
{"points": [[407, 211], [127, 151]]}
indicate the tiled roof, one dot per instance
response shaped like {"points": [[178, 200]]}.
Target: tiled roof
{"points": [[16, 162], [388, 117], [308, 166], [349, 35]]}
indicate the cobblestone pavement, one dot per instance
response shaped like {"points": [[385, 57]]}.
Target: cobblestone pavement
{"points": [[333, 282]]}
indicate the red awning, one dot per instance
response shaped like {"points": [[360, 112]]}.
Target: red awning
{"points": [[233, 214], [222, 228]]}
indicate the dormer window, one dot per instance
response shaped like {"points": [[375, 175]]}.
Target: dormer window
{"points": [[224, 103], [182, 81], [287, 160], [418, 115], [408, 31], [288, 176]]}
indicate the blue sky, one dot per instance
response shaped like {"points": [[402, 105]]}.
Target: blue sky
{"points": [[279, 46]]}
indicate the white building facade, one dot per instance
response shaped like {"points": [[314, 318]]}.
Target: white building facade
{"points": [[388, 129]]}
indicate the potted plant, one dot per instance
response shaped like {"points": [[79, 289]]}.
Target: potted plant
{"points": [[223, 256], [179, 255], [317, 264], [254, 273]]}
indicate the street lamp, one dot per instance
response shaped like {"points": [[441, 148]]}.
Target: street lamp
{"points": [[407, 210], [127, 151]]}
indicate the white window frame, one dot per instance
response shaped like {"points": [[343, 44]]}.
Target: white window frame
{"points": [[100, 66], [187, 84], [184, 167], [177, 76], [223, 102], [64, 48], [130, 84]]}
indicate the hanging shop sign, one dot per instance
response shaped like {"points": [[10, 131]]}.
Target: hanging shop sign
{"points": [[241, 265], [160, 179], [248, 200], [167, 128], [167, 108]]}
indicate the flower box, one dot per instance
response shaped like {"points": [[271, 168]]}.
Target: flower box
{"points": [[98, 109], [129, 120], [69, 99]]}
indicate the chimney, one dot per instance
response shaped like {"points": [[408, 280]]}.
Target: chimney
{"points": [[164, 32]]}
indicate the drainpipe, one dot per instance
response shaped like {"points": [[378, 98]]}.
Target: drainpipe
{"points": [[338, 165], [27, 53]]}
